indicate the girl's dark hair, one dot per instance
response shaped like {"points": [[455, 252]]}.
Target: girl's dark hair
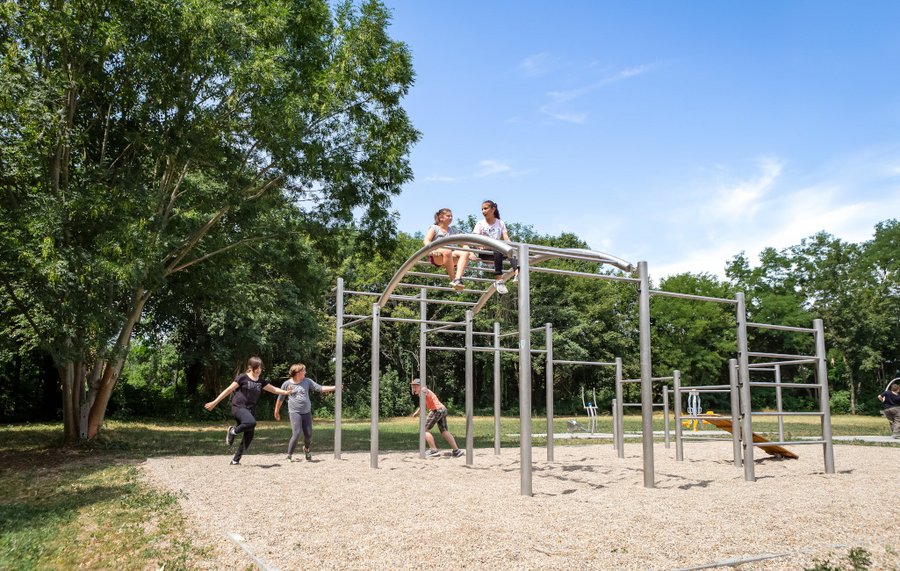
{"points": [[254, 363], [494, 206], [439, 212]]}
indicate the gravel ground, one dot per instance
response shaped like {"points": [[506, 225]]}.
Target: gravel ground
{"points": [[590, 510]]}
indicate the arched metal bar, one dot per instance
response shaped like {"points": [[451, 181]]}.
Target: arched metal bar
{"points": [[505, 248], [545, 253]]}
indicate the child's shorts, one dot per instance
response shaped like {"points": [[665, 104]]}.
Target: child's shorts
{"points": [[437, 416]]}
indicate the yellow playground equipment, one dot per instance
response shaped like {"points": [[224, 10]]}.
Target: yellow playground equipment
{"points": [[694, 409]]}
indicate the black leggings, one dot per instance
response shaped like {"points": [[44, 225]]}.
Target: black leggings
{"points": [[300, 422], [498, 261], [247, 426]]}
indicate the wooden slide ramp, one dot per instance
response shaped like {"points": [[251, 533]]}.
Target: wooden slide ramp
{"points": [[773, 449]]}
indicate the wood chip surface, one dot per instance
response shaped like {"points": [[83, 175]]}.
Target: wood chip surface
{"points": [[589, 509]]}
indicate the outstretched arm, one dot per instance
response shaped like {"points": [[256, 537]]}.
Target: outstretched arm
{"points": [[276, 391], [228, 390]]}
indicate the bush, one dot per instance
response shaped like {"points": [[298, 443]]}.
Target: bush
{"points": [[840, 402]]}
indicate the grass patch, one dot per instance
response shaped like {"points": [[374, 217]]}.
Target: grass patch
{"points": [[69, 512]]}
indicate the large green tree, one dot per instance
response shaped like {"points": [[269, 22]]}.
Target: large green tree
{"points": [[140, 138]]}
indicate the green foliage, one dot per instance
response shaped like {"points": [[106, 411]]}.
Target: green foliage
{"points": [[857, 559], [143, 139]]}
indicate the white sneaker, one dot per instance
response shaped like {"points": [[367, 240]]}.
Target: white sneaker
{"points": [[457, 284], [515, 279], [433, 453], [501, 287]]}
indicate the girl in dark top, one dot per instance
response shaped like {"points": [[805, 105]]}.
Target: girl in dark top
{"points": [[247, 388]]}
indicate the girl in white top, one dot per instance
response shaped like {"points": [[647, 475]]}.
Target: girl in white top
{"points": [[453, 261], [493, 227]]}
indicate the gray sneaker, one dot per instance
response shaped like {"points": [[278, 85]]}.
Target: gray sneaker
{"points": [[229, 436], [433, 453], [501, 287], [457, 284], [457, 453]]}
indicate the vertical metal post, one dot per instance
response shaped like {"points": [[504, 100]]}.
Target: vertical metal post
{"points": [[548, 344], [824, 404], [679, 444], [496, 388], [735, 411], [646, 375], [470, 401], [338, 366], [620, 409], [524, 372], [779, 403], [423, 366], [744, 382], [615, 424], [376, 378], [666, 413]]}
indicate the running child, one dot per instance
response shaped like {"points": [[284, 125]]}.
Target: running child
{"points": [[300, 408], [437, 414]]}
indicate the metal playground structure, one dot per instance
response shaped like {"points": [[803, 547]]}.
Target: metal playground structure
{"points": [[474, 298]]}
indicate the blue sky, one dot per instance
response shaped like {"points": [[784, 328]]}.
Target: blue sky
{"points": [[676, 132]]}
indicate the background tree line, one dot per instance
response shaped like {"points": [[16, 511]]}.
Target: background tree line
{"points": [[190, 343]]}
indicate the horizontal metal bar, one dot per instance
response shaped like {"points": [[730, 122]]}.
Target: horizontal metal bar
{"points": [[781, 327], [429, 300], [444, 276], [788, 442], [651, 378], [439, 288], [504, 350], [446, 328], [463, 332], [539, 269], [707, 389], [408, 320], [777, 355], [789, 385], [375, 294], [691, 296], [510, 334], [354, 322], [565, 362], [436, 348], [760, 366], [773, 413]]}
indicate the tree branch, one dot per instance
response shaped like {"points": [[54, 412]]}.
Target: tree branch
{"points": [[216, 252]]}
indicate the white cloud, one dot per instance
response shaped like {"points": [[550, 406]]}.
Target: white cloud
{"points": [[744, 199], [440, 179], [491, 167], [576, 118], [484, 168], [537, 65], [558, 98]]}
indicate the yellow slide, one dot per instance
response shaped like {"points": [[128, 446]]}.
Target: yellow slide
{"points": [[773, 449]]}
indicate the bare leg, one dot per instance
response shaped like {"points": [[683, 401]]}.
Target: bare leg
{"points": [[429, 440], [449, 438], [461, 263]]}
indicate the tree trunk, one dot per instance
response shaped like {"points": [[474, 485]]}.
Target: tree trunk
{"points": [[70, 404], [852, 385], [111, 369]]}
